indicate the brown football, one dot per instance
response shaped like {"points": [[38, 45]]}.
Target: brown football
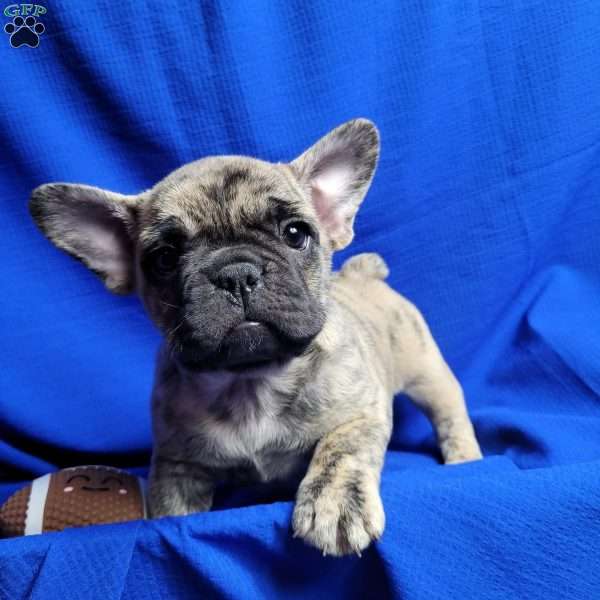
{"points": [[73, 497]]}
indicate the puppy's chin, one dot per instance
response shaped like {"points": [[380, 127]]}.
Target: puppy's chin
{"points": [[251, 348]]}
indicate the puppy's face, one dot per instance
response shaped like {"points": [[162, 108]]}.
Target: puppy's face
{"points": [[231, 263], [231, 255]]}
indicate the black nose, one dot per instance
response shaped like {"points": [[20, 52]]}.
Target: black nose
{"points": [[240, 279]]}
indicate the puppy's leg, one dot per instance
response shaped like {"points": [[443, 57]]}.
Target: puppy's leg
{"points": [[178, 488], [437, 392], [338, 507], [424, 375]]}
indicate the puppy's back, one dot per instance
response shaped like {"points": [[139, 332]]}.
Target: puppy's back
{"points": [[396, 328]]}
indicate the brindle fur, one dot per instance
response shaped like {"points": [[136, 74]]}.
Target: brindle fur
{"points": [[330, 406]]}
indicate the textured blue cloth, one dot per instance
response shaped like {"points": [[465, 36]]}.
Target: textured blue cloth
{"points": [[485, 205]]}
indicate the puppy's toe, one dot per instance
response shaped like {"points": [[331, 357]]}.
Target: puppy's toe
{"points": [[303, 518], [357, 530]]}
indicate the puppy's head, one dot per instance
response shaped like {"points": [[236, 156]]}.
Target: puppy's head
{"points": [[231, 255]]}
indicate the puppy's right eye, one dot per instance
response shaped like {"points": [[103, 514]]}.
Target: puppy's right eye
{"points": [[165, 261], [297, 235]]}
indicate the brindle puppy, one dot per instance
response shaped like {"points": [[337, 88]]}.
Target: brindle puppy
{"points": [[271, 361]]}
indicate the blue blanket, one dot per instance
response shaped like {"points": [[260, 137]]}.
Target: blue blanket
{"points": [[485, 205]]}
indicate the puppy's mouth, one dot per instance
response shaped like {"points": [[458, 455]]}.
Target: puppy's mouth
{"points": [[249, 346]]}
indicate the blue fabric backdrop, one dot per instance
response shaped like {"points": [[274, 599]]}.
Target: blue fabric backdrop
{"points": [[485, 204]]}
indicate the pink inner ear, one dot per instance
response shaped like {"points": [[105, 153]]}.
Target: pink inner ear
{"points": [[334, 181], [329, 190], [326, 212], [108, 252]]}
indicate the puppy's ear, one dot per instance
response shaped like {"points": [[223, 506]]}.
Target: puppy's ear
{"points": [[337, 172], [96, 226]]}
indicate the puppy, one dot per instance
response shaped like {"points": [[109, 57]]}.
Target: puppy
{"points": [[272, 365]]}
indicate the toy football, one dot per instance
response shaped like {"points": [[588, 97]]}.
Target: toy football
{"points": [[73, 497]]}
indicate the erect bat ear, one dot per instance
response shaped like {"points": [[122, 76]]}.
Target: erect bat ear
{"points": [[337, 172], [94, 225]]}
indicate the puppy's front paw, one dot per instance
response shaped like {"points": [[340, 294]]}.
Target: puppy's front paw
{"points": [[339, 518]]}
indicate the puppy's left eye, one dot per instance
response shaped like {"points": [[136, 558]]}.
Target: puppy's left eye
{"points": [[297, 235], [165, 261]]}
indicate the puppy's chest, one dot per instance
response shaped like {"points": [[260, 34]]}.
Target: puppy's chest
{"points": [[241, 435], [257, 448], [246, 436]]}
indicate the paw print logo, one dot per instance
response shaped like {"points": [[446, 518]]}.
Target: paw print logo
{"points": [[24, 32]]}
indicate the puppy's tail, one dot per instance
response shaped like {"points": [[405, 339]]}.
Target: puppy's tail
{"points": [[368, 264]]}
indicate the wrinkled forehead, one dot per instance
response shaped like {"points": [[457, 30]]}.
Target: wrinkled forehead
{"points": [[221, 194]]}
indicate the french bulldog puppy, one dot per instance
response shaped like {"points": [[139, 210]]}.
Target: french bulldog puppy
{"points": [[271, 362]]}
